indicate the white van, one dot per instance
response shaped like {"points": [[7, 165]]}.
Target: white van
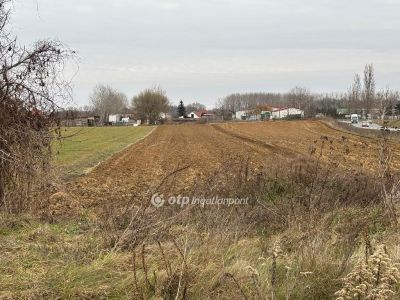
{"points": [[354, 118]]}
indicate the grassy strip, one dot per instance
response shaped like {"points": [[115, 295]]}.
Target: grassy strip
{"points": [[83, 148]]}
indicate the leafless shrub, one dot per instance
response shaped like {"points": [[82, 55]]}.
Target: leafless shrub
{"points": [[389, 182], [275, 254], [30, 84], [314, 204], [169, 280]]}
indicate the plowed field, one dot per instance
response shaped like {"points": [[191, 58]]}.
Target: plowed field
{"points": [[174, 157], [349, 149]]}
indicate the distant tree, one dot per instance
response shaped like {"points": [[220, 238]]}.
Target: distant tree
{"points": [[369, 88], [86, 110], [68, 115], [297, 97], [181, 109], [105, 101], [236, 102], [327, 104], [354, 95], [223, 109], [173, 110], [195, 106], [150, 104], [387, 100], [301, 98]]}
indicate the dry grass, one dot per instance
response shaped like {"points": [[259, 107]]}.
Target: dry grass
{"points": [[75, 260], [305, 229]]}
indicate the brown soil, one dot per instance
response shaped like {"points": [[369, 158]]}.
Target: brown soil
{"points": [[173, 158], [349, 149]]}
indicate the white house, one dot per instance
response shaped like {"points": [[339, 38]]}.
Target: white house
{"points": [[241, 115], [194, 115], [114, 118], [200, 114], [276, 113], [251, 115], [284, 113], [165, 116]]}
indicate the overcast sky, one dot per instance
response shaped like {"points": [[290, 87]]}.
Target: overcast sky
{"points": [[201, 50]]}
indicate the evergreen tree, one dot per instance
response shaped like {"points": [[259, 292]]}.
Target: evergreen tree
{"points": [[397, 107], [181, 109]]}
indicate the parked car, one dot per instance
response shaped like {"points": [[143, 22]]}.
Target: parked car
{"points": [[365, 124]]}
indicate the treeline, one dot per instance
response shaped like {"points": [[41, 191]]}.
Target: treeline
{"points": [[105, 100], [297, 97], [361, 97], [148, 106]]}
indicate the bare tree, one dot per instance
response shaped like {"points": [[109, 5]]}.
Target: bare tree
{"points": [[387, 100], [297, 97], [31, 85], [224, 109], [354, 94], [369, 88], [68, 115], [195, 106], [106, 100], [236, 102], [301, 98], [150, 104]]}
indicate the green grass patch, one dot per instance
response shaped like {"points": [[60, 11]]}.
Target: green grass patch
{"points": [[83, 148], [394, 124]]}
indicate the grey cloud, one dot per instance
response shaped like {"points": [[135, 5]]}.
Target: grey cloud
{"points": [[202, 50]]}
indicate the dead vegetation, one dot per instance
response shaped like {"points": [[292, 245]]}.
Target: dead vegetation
{"points": [[321, 221], [307, 224], [308, 221], [30, 83]]}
